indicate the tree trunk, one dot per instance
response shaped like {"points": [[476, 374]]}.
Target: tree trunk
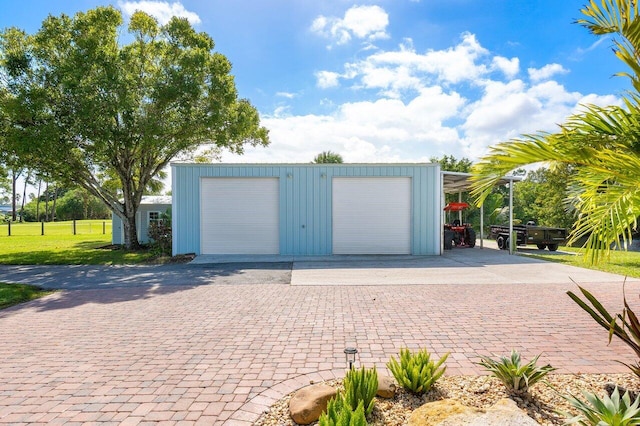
{"points": [[14, 180], [130, 232], [24, 195], [38, 201], [85, 204], [53, 207], [46, 202]]}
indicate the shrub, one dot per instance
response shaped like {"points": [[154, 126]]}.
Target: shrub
{"points": [[628, 330], [360, 386], [160, 233], [515, 376], [610, 410], [416, 372], [340, 414]]}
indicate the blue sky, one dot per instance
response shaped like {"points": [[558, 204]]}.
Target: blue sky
{"points": [[391, 80]]}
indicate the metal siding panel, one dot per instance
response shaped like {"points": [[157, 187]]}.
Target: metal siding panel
{"points": [[292, 220], [324, 226], [372, 215], [436, 203], [142, 224], [240, 215], [301, 209], [312, 194], [420, 212], [116, 229], [314, 206], [182, 198], [314, 230], [285, 233], [175, 213]]}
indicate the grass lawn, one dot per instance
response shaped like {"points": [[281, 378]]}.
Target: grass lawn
{"points": [[619, 262], [12, 294], [26, 245]]}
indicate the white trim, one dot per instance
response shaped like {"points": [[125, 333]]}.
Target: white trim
{"points": [[149, 217]]}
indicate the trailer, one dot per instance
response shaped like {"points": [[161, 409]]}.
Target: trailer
{"points": [[541, 236]]}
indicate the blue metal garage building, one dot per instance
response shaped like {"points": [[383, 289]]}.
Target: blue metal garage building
{"points": [[306, 209]]}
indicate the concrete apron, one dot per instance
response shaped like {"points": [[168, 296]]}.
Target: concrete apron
{"points": [[458, 266]]}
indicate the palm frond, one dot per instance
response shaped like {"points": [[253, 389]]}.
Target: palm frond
{"points": [[608, 194], [602, 143], [618, 17]]}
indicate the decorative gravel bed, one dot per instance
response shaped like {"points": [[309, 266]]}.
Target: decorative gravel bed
{"points": [[542, 402]]}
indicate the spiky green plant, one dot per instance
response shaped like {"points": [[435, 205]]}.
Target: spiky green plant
{"points": [[608, 411], [361, 386], [416, 372], [339, 413], [515, 376], [628, 330]]}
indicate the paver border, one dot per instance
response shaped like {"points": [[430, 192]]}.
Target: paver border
{"points": [[251, 410]]}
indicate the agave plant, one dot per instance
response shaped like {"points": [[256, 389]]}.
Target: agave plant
{"points": [[518, 378], [627, 330], [361, 386], [610, 410], [416, 372], [339, 413]]}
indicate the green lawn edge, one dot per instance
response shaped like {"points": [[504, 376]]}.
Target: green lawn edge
{"points": [[15, 294], [620, 262]]}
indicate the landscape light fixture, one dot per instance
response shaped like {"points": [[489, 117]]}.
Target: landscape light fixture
{"points": [[350, 356]]}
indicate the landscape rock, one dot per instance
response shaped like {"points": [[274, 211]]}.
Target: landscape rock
{"points": [[449, 412], [610, 387], [386, 387], [308, 403]]}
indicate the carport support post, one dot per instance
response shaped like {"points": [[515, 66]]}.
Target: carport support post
{"points": [[460, 211], [481, 226], [511, 243]]}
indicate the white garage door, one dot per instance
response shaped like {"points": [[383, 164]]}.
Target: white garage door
{"points": [[372, 215], [239, 216]]}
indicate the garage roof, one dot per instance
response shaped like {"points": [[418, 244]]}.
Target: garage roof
{"points": [[454, 182]]}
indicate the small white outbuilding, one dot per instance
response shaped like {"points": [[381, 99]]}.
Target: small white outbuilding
{"points": [[150, 210]]}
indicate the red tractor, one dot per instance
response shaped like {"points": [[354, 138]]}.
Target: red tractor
{"points": [[457, 233]]}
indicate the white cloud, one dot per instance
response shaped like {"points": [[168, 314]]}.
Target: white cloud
{"points": [[508, 110], [163, 11], [416, 105], [546, 72], [384, 130], [361, 22], [510, 67], [327, 79], [287, 95], [394, 72]]}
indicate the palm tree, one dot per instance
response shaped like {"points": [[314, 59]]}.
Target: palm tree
{"points": [[601, 143], [328, 157]]}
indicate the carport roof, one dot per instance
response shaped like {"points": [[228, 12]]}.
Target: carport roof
{"points": [[454, 182]]}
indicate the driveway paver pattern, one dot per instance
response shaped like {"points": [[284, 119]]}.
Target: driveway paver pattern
{"points": [[220, 354]]}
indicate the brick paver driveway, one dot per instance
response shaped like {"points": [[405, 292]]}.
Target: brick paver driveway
{"points": [[221, 352]]}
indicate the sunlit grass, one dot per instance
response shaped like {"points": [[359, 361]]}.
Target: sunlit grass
{"points": [[92, 227], [12, 294], [619, 262], [26, 246]]}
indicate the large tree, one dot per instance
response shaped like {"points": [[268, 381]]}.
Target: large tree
{"points": [[449, 163], [601, 145], [542, 197], [328, 157], [84, 108]]}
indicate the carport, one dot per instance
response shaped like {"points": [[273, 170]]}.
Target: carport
{"points": [[458, 182]]}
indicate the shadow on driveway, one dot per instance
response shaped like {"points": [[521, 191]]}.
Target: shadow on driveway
{"points": [[134, 282]]}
